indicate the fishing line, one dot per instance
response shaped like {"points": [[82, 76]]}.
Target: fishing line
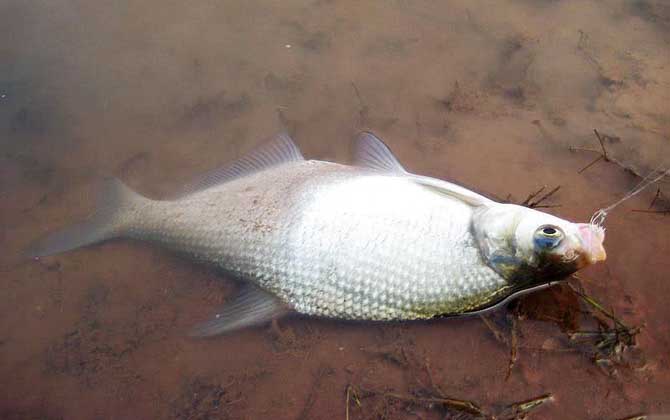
{"points": [[599, 216]]}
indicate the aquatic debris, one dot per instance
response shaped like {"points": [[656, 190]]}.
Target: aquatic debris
{"points": [[458, 408], [512, 318], [611, 339], [608, 344]]}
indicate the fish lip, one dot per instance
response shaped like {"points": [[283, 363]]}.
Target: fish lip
{"points": [[592, 238]]}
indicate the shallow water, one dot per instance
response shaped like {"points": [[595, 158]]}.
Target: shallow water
{"points": [[492, 97]]}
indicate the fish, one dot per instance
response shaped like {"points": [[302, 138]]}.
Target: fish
{"points": [[368, 241]]}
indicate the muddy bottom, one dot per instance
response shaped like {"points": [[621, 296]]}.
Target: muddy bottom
{"points": [[500, 98]]}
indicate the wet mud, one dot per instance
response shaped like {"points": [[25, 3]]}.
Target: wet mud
{"points": [[498, 97]]}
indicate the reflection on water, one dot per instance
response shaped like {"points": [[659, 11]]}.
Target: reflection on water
{"points": [[490, 96]]}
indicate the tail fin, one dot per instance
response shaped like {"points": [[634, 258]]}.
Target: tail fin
{"points": [[109, 221]]}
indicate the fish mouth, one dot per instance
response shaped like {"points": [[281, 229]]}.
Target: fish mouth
{"points": [[592, 238]]}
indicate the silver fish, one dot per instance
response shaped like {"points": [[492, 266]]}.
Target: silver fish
{"points": [[364, 242]]}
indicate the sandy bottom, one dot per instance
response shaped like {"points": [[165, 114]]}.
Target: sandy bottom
{"points": [[492, 97]]}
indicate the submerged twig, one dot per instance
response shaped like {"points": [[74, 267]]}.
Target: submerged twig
{"points": [[591, 301], [593, 162], [652, 211], [532, 203], [363, 109], [658, 197], [513, 344], [311, 397], [602, 153], [499, 335], [537, 203], [610, 341], [520, 409], [454, 406], [351, 392], [453, 403], [602, 145], [532, 195]]}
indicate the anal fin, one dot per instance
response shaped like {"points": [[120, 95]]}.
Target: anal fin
{"points": [[252, 306]]}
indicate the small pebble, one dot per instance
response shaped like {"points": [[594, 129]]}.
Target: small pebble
{"points": [[288, 45]]}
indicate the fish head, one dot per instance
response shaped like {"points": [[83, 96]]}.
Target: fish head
{"points": [[527, 246]]}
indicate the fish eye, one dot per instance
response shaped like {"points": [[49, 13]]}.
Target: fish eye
{"points": [[548, 236], [549, 231]]}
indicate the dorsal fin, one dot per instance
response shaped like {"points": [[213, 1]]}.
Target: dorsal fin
{"points": [[372, 153], [274, 152]]}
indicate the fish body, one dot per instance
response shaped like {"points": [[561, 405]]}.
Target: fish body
{"points": [[367, 242], [332, 240]]}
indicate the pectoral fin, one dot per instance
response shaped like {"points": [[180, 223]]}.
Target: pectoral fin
{"points": [[252, 306]]}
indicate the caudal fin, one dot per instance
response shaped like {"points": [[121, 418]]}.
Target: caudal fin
{"points": [[107, 222]]}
